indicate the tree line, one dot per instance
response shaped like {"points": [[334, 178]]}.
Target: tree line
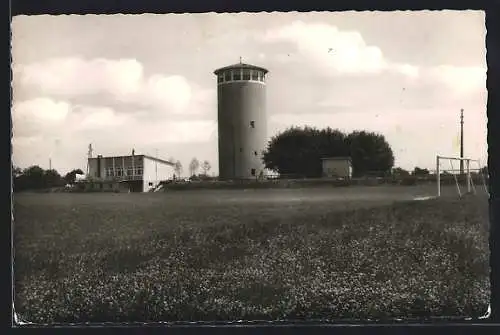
{"points": [[194, 167], [36, 178], [298, 151]]}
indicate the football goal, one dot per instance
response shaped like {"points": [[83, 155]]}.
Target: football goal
{"points": [[464, 181]]}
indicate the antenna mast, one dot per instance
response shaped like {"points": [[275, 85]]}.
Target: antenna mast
{"points": [[461, 141]]}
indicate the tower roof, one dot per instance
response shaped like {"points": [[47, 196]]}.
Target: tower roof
{"points": [[240, 66]]}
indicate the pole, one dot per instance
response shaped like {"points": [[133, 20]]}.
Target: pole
{"points": [[438, 176], [50, 163], [469, 179], [462, 141], [156, 166]]}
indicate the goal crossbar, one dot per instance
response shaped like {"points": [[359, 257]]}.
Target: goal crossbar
{"points": [[467, 172]]}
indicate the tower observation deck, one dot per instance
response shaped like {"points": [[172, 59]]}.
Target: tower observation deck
{"points": [[242, 121]]}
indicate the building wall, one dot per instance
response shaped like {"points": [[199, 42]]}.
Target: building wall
{"points": [[155, 173], [120, 164], [240, 144], [337, 168]]}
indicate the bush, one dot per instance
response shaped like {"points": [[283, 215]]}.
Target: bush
{"points": [[409, 181]]}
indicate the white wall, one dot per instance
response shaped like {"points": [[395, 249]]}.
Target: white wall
{"points": [[336, 167], [152, 176]]}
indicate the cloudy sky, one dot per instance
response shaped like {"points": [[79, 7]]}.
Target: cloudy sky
{"points": [[146, 81]]}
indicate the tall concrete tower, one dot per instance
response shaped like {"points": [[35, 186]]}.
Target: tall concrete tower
{"points": [[242, 121]]}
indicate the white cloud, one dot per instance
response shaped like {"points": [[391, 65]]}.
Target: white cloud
{"points": [[99, 117], [328, 48], [42, 109], [117, 81], [75, 76], [462, 80]]}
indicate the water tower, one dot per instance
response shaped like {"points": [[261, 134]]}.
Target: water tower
{"points": [[242, 122]]}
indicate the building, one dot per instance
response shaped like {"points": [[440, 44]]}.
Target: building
{"points": [[242, 121], [337, 167], [135, 173]]}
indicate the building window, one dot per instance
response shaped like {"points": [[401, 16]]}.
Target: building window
{"points": [[236, 75], [253, 172], [255, 75], [255, 153], [252, 124], [246, 74], [227, 76], [150, 184], [130, 171], [139, 172]]}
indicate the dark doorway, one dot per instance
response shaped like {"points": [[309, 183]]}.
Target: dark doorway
{"points": [[134, 185]]}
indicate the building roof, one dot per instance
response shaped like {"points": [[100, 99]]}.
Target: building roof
{"points": [[159, 160], [240, 66]]}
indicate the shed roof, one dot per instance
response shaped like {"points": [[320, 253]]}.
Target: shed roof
{"points": [[241, 66]]}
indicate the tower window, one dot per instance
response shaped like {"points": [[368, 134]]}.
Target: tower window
{"points": [[220, 78], [252, 172], [255, 75], [252, 124], [236, 75], [246, 74], [227, 76]]}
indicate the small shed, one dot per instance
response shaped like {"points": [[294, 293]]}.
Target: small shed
{"points": [[337, 167]]}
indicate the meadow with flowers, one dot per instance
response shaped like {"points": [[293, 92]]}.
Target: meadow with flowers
{"points": [[249, 255]]}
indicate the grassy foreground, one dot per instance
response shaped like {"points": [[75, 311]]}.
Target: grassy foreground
{"points": [[116, 257]]}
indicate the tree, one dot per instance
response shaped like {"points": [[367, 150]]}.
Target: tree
{"points": [[420, 172], [51, 178], [178, 168], [298, 151], [400, 172], [194, 166], [370, 154], [16, 171], [33, 177], [70, 177], [206, 167]]}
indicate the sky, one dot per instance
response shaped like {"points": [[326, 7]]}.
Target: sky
{"points": [[146, 81]]}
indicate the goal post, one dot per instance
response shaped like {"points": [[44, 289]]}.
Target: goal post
{"points": [[468, 169]]}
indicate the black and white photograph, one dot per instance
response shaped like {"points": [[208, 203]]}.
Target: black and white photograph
{"points": [[239, 167]]}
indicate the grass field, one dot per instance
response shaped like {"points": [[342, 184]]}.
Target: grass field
{"points": [[358, 252]]}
